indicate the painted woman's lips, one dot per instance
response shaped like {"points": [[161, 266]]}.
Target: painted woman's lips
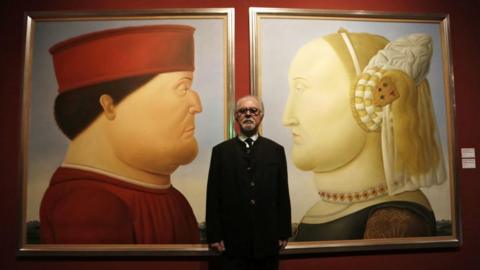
{"points": [[296, 137]]}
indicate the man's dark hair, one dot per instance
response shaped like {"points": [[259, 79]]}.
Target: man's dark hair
{"points": [[76, 109]]}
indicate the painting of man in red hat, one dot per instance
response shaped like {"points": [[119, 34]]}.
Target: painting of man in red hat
{"points": [[125, 101]]}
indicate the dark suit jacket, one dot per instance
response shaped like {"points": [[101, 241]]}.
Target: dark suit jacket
{"points": [[248, 204]]}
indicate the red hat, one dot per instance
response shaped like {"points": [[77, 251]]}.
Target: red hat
{"points": [[113, 54]]}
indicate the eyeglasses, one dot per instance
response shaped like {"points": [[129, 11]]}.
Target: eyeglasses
{"points": [[252, 111]]}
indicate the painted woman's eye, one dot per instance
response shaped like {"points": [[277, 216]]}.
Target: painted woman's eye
{"points": [[300, 86]]}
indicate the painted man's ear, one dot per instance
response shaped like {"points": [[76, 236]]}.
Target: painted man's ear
{"points": [[108, 106]]}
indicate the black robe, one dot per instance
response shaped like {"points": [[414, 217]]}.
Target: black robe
{"points": [[248, 204]]}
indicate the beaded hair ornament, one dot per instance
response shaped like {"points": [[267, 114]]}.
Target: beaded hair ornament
{"points": [[373, 94]]}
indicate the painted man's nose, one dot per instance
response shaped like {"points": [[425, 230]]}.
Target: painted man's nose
{"points": [[196, 104]]}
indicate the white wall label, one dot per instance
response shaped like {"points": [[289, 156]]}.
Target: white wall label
{"points": [[468, 152], [468, 163]]}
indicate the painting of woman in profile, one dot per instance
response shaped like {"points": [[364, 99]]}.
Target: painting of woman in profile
{"points": [[362, 120]]}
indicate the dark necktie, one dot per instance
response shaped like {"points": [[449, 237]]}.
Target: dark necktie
{"points": [[249, 141]]}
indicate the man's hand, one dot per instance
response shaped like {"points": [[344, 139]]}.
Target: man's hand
{"points": [[218, 246], [282, 244]]}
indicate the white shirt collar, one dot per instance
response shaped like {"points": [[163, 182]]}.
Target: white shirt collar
{"points": [[243, 137]]}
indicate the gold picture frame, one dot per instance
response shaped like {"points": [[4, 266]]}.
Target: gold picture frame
{"points": [[43, 145], [277, 34]]}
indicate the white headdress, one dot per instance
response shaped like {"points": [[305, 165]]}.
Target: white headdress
{"points": [[372, 97]]}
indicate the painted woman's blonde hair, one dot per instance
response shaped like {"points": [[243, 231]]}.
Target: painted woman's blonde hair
{"points": [[414, 125], [390, 94]]}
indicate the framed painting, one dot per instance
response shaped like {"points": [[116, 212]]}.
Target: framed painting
{"points": [[363, 103], [120, 112]]}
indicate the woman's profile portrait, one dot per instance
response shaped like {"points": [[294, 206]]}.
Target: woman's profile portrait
{"points": [[361, 118], [362, 109]]}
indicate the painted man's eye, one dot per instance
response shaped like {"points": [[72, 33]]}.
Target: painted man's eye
{"points": [[183, 88]]}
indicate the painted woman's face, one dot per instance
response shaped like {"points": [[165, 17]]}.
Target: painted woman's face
{"points": [[154, 127], [325, 134]]}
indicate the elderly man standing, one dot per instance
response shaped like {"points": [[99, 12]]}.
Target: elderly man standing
{"points": [[248, 206]]}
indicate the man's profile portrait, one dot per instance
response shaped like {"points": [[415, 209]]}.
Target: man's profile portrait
{"points": [[119, 134], [123, 146]]}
